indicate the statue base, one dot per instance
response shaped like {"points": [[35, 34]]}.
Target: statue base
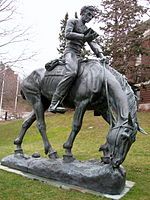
{"points": [[91, 174]]}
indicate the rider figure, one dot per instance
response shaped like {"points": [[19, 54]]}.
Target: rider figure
{"points": [[76, 34]]}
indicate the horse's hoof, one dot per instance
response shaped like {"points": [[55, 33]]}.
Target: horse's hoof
{"points": [[106, 160], [19, 151], [68, 158], [53, 155]]}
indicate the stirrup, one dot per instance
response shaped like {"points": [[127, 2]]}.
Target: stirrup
{"points": [[55, 109], [61, 110]]}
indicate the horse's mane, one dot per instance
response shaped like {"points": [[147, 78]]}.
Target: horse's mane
{"points": [[132, 100]]}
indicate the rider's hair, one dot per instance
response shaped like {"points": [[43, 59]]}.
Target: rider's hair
{"points": [[92, 9]]}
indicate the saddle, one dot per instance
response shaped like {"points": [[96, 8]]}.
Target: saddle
{"points": [[53, 63], [56, 67], [90, 74]]}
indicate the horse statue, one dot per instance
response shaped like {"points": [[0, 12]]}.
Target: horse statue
{"points": [[98, 88]]}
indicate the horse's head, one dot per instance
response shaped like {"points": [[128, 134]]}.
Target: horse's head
{"points": [[119, 141]]}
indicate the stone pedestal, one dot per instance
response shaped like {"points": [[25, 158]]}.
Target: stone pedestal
{"points": [[91, 174]]}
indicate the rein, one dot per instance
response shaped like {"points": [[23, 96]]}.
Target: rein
{"points": [[107, 94], [123, 125]]}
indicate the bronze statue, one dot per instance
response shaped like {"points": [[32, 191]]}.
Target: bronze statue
{"points": [[76, 34], [88, 92], [82, 85], [90, 86]]}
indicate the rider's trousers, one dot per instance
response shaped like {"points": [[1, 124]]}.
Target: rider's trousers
{"points": [[64, 85]]}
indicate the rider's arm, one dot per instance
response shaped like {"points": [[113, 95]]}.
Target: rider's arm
{"points": [[96, 49], [70, 34]]}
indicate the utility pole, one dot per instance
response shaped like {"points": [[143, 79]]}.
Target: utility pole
{"points": [[2, 91], [16, 97]]}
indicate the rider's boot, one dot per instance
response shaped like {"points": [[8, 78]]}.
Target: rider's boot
{"points": [[54, 108]]}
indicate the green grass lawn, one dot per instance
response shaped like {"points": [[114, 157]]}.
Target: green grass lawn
{"points": [[91, 136]]}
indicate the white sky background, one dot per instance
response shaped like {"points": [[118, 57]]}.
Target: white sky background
{"points": [[44, 16]]}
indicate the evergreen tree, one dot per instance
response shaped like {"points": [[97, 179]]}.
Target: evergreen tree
{"points": [[122, 39], [76, 15], [62, 36]]}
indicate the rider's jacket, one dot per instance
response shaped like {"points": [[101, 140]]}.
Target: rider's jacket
{"points": [[74, 34]]}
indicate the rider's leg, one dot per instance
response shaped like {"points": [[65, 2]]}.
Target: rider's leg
{"points": [[65, 84]]}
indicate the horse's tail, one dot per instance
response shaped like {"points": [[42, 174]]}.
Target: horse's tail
{"points": [[22, 94]]}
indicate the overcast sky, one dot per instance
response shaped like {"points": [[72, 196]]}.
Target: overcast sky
{"points": [[44, 16]]}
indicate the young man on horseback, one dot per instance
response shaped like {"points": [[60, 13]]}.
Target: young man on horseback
{"points": [[76, 34]]}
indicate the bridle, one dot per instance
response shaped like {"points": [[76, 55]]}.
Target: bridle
{"points": [[123, 125], [131, 136]]}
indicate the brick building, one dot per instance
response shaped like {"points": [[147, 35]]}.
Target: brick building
{"points": [[10, 98], [139, 72], [8, 88]]}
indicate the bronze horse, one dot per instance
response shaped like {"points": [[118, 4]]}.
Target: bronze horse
{"points": [[87, 92]]}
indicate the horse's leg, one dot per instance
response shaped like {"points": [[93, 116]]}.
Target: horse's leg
{"points": [[26, 124], [39, 112], [76, 126], [110, 119]]}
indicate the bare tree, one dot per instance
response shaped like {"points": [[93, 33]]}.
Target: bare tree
{"points": [[12, 35], [14, 42]]}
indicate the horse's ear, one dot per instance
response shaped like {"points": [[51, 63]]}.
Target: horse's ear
{"points": [[113, 123], [141, 130], [130, 122]]}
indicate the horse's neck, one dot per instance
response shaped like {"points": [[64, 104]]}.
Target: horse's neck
{"points": [[132, 101], [118, 97]]}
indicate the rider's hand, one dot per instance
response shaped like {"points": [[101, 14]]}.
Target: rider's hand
{"points": [[104, 59]]}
